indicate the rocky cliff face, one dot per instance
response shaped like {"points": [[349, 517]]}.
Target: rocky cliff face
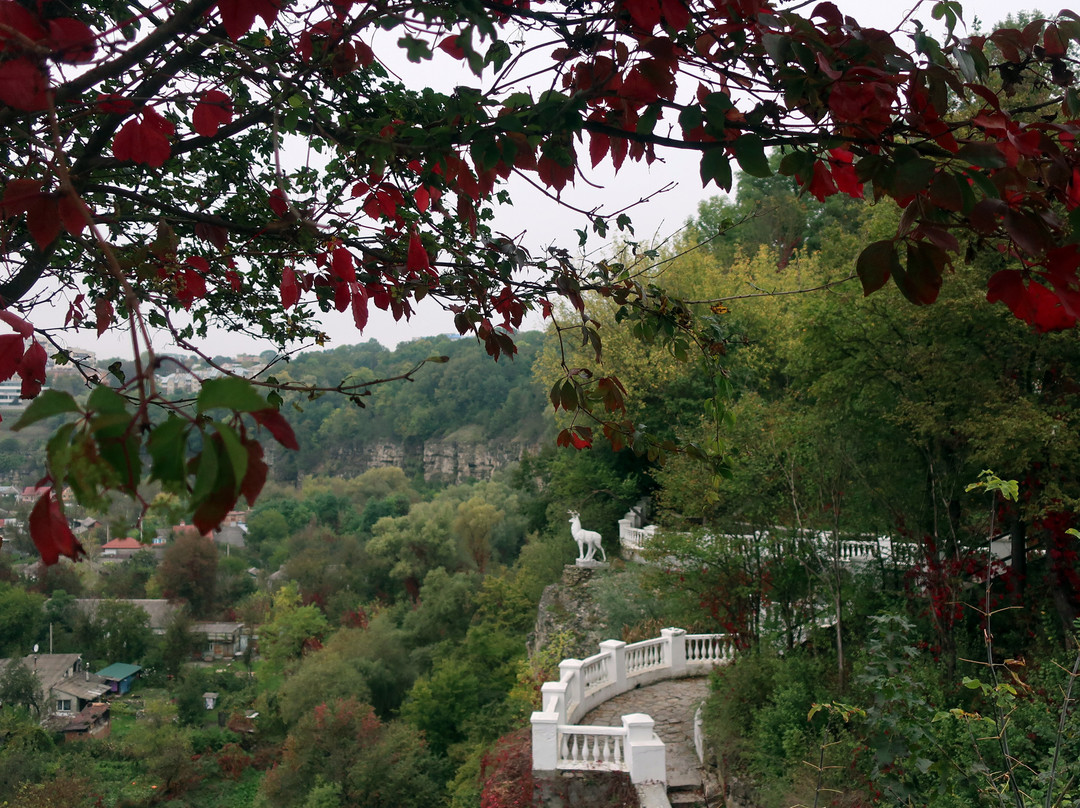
{"points": [[446, 461], [569, 606]]}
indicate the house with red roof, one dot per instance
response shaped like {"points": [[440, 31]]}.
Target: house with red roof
{"points": [[119, 549]]}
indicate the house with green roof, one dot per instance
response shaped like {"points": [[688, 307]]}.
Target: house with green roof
{"points": [[120, 676]]}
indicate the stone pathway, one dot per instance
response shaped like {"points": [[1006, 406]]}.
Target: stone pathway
{"points": [[671, 704]]}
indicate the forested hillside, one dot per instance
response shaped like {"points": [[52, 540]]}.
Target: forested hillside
{"points": [[453, 395]]}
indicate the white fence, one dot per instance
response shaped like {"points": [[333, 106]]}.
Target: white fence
{"points": [[849, 551], [557, 743]]}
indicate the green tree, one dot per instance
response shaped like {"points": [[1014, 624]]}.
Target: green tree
{"points": [[19, 687], [21, 619], [188, 572], [371, 763], [122, 631], [292, 628]]}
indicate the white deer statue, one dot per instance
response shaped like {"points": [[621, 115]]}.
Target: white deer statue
{"points": [[585, 539]]}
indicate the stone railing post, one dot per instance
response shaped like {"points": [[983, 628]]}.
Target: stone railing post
{"points": [[545, 741], [570, 674], [553, 699], [645, 755], [675, 639], [616, 650]]}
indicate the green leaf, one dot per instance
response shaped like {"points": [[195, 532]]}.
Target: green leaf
{"points": [[416, 50], [166, 445], [984, 155], [234, 450], [568, 396], [47, 404], [750, 152], [876, 263], [715, 167], [498, 54], [104, 399], [230, 393], [207, 472]]}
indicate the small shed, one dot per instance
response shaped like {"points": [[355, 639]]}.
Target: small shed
{"points": [[210, 698], [91, 722], [120, 676]]}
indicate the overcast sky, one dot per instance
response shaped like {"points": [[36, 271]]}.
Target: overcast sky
{"points": [[536, 221]]}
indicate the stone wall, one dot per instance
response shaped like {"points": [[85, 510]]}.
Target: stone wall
{"points": [[445, 461]]}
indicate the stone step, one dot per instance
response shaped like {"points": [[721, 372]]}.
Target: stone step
{"points": [[686, 797]]}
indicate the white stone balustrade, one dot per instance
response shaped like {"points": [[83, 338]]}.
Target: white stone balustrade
{"points": [[586, 683], [633, 539]]}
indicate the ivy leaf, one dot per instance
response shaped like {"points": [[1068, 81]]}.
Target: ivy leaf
{"points": [[257, 471], [50, 531], [46, 405], [235, 451], [230, 393], [23, 85], [876, 264], [145, 140], [715, 167], [213, 110], [166, 445], [750, 152], [276, 425], [239, 15], [32, 370]]}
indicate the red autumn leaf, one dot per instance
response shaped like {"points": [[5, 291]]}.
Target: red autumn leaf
{"points": [[599, 144], [676, 13], [278, 203], [18, 196], [20, 326], [257, 470], [20, 21], [11, 354], [23, 85], [213, 110], [422, 198], [239, 15], [364, 54], [644, 13], [290, 289], [114, 104], [821, 183], [211, 512], [417, 260], [451, 45], [341, 264], [359, 306], [103, 313], [215, 234], [844, 173], [71, 41], [43, 220], [50, 532], [342, 296], [144, 140], [191, 283], [32, 370], [276, 425], [73, 213], [232, 277], [553, 173], [580, 441]]}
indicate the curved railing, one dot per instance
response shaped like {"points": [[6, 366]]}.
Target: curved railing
{"points": [[558, 743]]}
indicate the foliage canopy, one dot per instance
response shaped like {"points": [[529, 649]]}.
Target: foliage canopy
{"points": [[144, 184]]}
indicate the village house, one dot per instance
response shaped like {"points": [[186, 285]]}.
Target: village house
{"points": [[121, 549], [65, 684], [159, 610]]}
